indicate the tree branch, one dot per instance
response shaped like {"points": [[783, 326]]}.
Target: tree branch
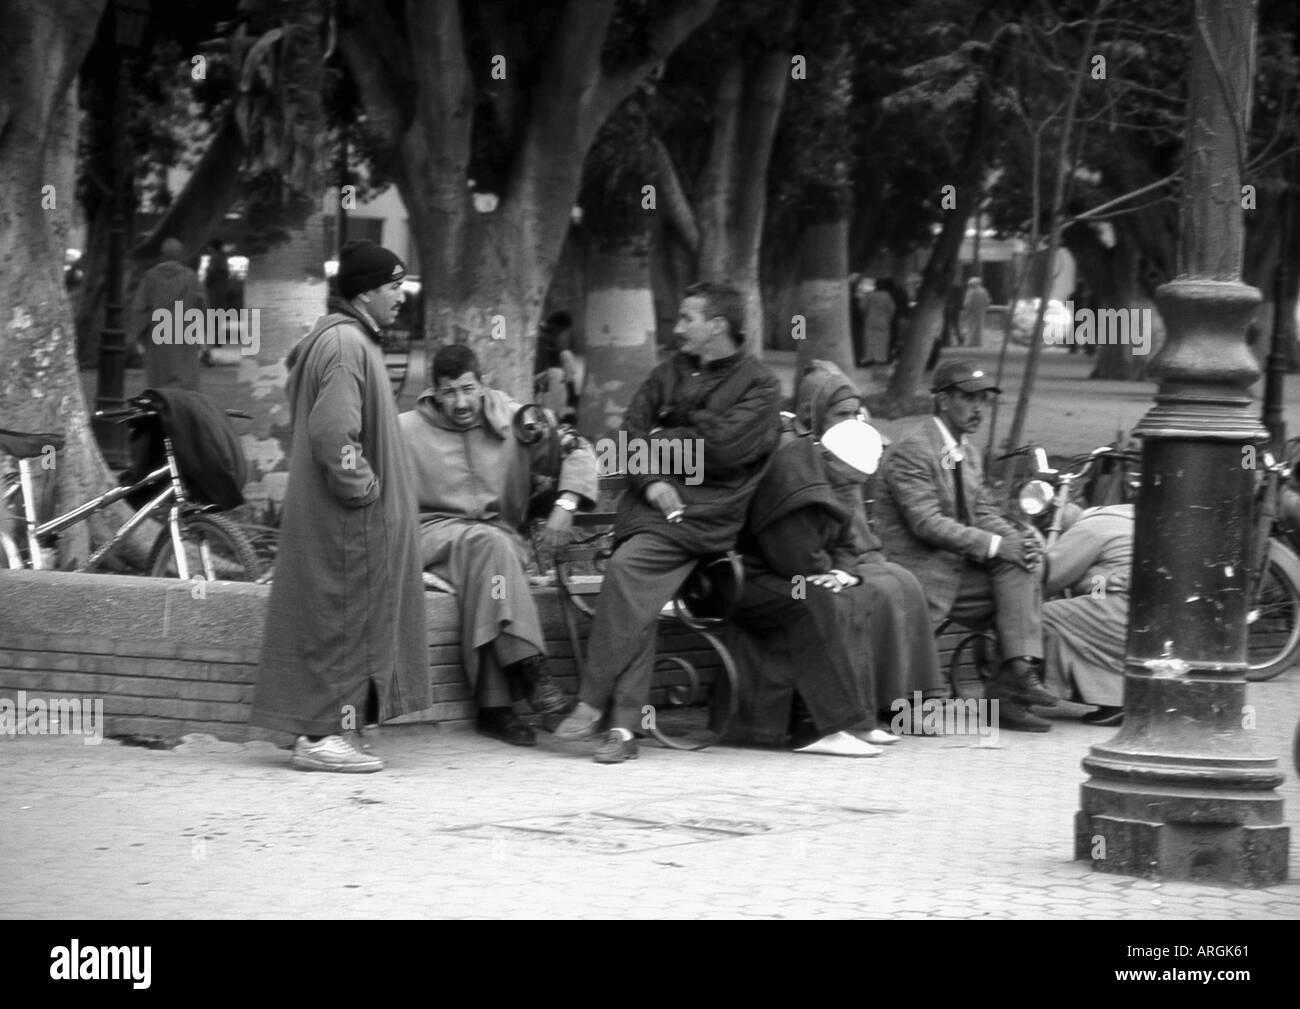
{"points": [[385, 117], [673, 22], [676, 205], [208, 194], [1133, 194]]}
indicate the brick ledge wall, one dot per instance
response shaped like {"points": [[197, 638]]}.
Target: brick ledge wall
{"points": [[167, 664]]}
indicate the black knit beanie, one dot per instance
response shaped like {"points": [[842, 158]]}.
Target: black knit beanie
{"points": [[363, 266]]}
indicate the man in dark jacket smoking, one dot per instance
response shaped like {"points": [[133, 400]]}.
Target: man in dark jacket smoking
{"points": [[715, 396]]}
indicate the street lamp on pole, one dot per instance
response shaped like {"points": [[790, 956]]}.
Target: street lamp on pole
{"points": [[1182, 791], [130, 17]]}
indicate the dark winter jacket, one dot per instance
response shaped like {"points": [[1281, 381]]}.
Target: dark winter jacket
{"points": [[730, 409], [206, 445]]}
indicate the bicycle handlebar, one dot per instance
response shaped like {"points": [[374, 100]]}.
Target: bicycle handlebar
{"points": [[1104, 452], [143, 407]]}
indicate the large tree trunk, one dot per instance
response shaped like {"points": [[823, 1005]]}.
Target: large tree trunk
{"points": [[41, 49], [733, 190], [1112, 276], [823, 299], [486, 275]]}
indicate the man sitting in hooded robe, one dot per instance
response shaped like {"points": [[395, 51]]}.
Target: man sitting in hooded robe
{"points": [[474, 477]]}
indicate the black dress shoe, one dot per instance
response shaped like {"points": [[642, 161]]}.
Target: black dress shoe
{"points": [[1019, 680], [544, 695], [1104, 715], [505, 725]]}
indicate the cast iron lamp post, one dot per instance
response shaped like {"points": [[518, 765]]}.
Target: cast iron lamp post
{"points": [[1182, 791], [129, 20]]}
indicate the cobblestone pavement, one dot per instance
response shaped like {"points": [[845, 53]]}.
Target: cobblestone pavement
{"points": [[461, 826]]}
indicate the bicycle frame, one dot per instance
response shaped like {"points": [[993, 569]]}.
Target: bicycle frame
{"points": [[1265, 520], [175, 492]]}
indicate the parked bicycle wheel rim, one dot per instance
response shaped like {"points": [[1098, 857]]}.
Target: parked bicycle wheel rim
{"points": [[1273, 621], [970, 666], [10, 555], [216, 549]]}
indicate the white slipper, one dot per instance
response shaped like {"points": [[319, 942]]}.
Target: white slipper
{"points": [[878, 736], [841, 744]]}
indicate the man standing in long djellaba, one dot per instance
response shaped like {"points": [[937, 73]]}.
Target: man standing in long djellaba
{"points": [[345, 643], [474, 474]]}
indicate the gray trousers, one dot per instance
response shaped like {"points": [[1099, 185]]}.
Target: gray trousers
{"points": [[1012, 596], [643, 574]]}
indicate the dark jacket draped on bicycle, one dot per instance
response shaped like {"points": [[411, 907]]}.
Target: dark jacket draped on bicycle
{"points": [[206, 445], [347, 610]]}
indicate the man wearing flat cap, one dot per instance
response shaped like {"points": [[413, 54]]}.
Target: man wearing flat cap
{"points": [[938, 519], [345, 643]]}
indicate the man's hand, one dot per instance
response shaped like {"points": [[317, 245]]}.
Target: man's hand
{"points": [[1037, 544], [437, 584], [1019, 550], [826, 581], [558, 528], [663, 495]]}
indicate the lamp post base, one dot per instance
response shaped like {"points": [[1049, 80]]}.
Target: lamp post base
{"points": [[1179, 793]]}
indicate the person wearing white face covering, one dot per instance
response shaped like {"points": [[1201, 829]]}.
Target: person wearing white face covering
{"points": [[794, 629]]}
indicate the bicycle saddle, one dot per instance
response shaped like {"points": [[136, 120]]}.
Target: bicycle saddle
{"points": [[24, 445]]}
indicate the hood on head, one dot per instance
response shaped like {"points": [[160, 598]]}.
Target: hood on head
{"points": [[821, 385]]}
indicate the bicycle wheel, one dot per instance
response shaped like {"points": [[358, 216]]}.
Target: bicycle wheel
{"points": [[971, 665], [1273, 620], [11, 510], [215, 550]]}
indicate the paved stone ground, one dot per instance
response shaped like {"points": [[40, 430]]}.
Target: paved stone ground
{"points": [[464, 827], [460, 826]]}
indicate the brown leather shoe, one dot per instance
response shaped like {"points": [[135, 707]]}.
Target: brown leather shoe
{"points": [[1019, 680]]}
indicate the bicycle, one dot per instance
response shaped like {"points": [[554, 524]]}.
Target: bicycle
{"points": [[1040, 502], [194, 543], [1273, 620], [1273, 583]]}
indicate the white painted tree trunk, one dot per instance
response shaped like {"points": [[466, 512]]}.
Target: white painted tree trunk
{"points": [[823, 295], [620, 329]]}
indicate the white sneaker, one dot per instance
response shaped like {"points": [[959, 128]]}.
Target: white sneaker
{"points": [[878, 736], [363, 739], [333, 753], [841, 744]]}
